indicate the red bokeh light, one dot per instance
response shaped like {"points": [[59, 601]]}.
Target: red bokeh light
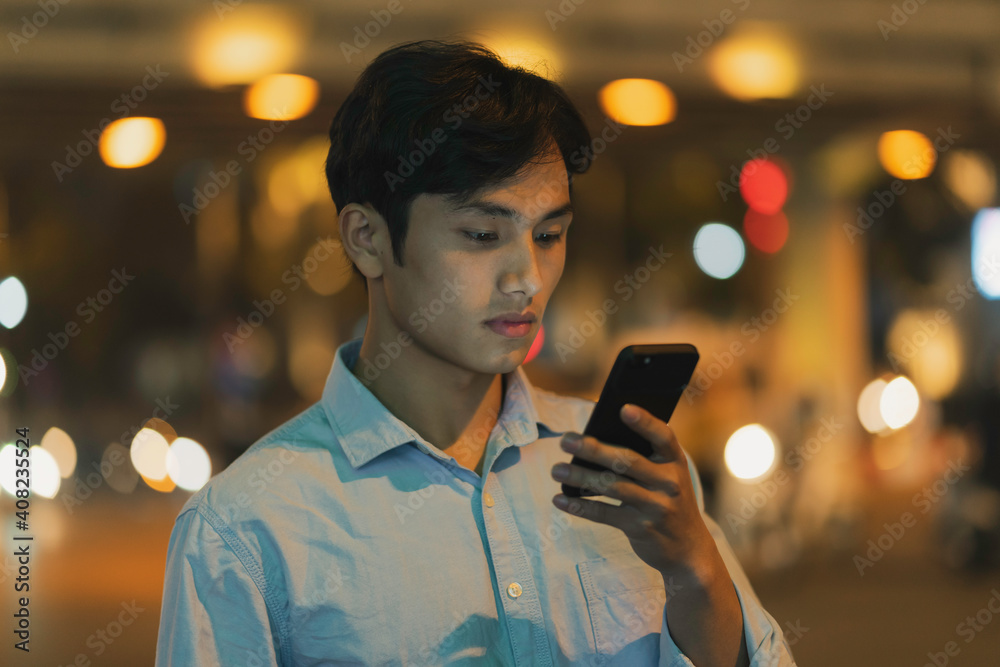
{"points": [[536, 346], [767, 233], [763, 185]]}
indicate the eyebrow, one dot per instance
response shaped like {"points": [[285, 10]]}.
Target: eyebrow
{"points": [[492, 208]]}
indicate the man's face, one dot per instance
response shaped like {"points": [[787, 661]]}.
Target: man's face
{"points": [[503, 251]]}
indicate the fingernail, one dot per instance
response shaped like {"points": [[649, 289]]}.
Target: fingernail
{"points": [[571, 442], [630, 413]]}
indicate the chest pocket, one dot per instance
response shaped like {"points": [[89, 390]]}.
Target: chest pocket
{"points": [[625, 599]]}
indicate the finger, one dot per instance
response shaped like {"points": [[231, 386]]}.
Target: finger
{"points": [[656, 432], [621, 460], [605, 483], [594, 510]]}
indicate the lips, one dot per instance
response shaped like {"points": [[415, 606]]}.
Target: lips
{"points": [[514, 318]]}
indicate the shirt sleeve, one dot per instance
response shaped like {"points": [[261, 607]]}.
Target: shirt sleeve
{"points": [[766, 644], [213, 612]]}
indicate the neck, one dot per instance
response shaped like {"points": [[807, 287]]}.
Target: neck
{"points": [[452, 408]]}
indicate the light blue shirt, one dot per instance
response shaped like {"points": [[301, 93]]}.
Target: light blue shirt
{"points": [[343, 537]]}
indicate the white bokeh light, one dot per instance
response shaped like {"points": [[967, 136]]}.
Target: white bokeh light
{"points": [[718, 250], [13, 302], [45, 479], [750, 452], [188, 464], [986, 252], [899, 402], [44, 471]]}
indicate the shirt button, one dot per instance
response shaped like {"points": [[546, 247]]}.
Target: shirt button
{"points": [[514, 590], [488, 499]]}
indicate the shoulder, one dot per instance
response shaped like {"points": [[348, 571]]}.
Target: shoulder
{"points": [[277, 469]]}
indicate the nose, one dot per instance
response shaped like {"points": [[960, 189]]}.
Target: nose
{"points": [[521, 273]]}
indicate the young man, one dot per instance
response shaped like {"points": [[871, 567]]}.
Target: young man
{"points": [[409, 517]]}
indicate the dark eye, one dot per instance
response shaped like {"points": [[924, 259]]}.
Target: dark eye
{"points": [[553, 238]]}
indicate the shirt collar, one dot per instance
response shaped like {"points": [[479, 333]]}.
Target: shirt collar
{"points": [[366, 428]]}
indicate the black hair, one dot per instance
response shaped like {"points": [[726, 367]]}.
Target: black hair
{"points": [[448, 118]]}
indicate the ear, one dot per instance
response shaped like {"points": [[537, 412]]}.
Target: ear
{"points": [[365, 238]]}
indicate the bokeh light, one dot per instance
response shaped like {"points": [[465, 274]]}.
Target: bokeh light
{"points": [[13, 302], [298, 179], [536, 345], [906, 154], [750, 452], [8, 372], [188, 464], [521, 45], [164, 485], [638, 102], [767, 233], [45, 478], [899, 402], [718, 250], [281, 97], [763, 186], [252, 42], [59, 444], [986, 252], [132, 142], [754, 63], [971, 177], [149, 454], [927, 344], [869, 406]]}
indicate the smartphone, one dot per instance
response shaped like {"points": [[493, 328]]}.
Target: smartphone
{"points": [[650, 376]]}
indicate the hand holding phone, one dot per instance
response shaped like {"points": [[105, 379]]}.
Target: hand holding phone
{"points": [[651, 376]]}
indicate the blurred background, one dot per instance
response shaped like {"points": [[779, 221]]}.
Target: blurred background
{"points": [[820, 176]]}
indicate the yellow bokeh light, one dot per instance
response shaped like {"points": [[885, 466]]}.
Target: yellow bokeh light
{"points": [[58, 443], [281, 97], [906, 154], [638, 102], [869, 412], [971, 176], [252, 42], [519, 43], [132, 142], [754, 63], [928, 346], [3, 372], [165, 485], [298, 179], [750, 452], [149, 454]]}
